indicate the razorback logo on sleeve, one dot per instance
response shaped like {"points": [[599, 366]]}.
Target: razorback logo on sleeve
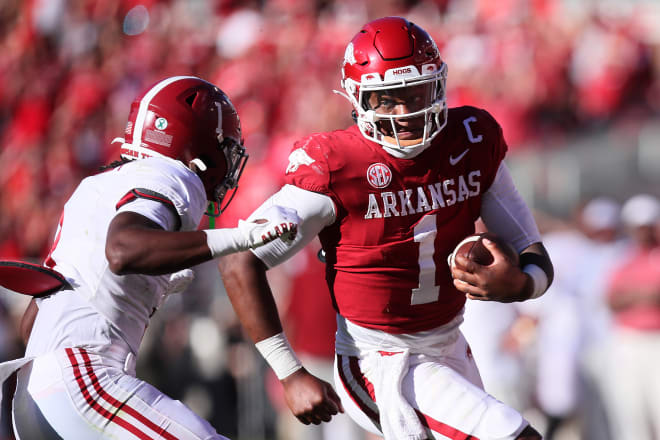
{"points": [[296, 158]]}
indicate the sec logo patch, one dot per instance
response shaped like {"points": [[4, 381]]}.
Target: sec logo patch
{"points": [[379, 175]]}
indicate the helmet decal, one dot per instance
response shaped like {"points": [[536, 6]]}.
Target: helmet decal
{"points": [[161, 123], [158, 137], [349, 54]]}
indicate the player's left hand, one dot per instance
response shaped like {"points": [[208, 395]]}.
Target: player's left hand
{"points": [[501, 281]]}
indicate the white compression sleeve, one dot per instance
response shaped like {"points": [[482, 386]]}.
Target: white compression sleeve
{"points": [[315, 210], [505, 213]]}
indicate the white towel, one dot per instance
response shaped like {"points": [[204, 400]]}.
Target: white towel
{"points": [[7, 368], [398, 419]]}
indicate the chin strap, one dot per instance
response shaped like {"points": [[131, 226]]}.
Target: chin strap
{"points": [[401, 153], [197, 162]]}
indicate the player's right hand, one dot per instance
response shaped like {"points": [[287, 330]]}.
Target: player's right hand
{"points": [[310, 399], [501, 281], [275, 222]]}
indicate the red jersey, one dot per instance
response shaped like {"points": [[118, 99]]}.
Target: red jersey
{"points": [[638, 275], [399, 219]]}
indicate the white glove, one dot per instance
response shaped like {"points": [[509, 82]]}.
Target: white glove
{"points": [[274, 222], [179, 281]]}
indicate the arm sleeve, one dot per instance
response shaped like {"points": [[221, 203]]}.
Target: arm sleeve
{"points": [[505, 213], [316, 211]]}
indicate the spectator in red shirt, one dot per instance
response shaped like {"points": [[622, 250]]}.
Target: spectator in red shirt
{"points": [[634, 297]]}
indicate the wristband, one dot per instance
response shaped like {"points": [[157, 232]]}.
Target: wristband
{"points": [[539, 278], [280, 356], [225, 241]]}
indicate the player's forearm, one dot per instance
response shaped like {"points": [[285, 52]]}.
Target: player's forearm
{"points": [[244, 278], [135, 244], [156, 252]]}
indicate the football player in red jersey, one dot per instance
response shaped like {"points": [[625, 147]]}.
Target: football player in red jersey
{"points": [[390, 198]]}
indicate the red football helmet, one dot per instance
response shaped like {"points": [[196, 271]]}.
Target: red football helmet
{"points": [[389, 62], [191, 120]]}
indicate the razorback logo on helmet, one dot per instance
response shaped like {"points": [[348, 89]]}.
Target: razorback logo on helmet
{"points": [[349, 54]]}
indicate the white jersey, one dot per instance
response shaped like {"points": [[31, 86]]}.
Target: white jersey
{"points": [[105, 310]]}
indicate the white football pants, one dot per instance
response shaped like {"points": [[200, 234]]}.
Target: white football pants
{"points": [[445, 391], [75, 394]]}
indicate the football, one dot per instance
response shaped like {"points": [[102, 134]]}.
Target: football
{"points": [[473, 248]]}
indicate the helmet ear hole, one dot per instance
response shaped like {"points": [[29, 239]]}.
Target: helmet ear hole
{"points": [[191, 99]]}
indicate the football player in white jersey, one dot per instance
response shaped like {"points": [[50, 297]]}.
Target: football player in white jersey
{"points": [[126, 239], [390, 198]]}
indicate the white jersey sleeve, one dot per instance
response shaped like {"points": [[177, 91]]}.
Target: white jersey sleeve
{"points": [[166, 181], [506, 214], [155, 211], [316, 211]]}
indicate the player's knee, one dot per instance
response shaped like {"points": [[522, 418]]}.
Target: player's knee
{"points": [[529, 433]]}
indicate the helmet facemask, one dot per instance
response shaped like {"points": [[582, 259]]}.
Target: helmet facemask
{"points": [[236, 158], [379, 103]]}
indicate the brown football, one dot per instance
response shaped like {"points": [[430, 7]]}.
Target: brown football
{"points": [[473, 248]]}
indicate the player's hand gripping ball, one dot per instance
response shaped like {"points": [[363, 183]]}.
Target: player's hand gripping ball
{"points": [[473, 248]]}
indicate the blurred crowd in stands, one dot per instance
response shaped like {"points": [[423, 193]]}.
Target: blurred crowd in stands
{"points": [[578, 356], [546, 69]]}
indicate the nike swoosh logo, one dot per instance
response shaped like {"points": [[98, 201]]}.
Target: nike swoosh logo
{"points": [[454, 160]]}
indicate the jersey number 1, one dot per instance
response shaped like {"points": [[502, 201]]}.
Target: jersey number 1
{"points": [[425, 232]]}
